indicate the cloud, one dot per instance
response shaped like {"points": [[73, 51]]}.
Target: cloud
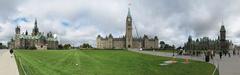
{"points": [[78, 21], [8, 8]]}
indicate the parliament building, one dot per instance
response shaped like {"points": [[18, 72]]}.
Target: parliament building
{"points": [[127, 41], [36, 40], [206, 43]]}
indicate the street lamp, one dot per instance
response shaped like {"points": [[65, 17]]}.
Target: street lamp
{"points": [[173, 53], [173, 49]]}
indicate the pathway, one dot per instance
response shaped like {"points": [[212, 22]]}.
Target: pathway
{"points": [[229, 65], [8, 65]]}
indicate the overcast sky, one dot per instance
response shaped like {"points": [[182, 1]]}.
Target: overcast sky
{"points": [[78, 21]]}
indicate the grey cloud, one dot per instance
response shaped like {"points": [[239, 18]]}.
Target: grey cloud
{"points": [[186, 17], [170, 20], [7, 8]]}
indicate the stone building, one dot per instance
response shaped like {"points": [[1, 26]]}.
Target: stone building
{"points": [[36, 40], [206, 43], [127, 41], [224, 45]]}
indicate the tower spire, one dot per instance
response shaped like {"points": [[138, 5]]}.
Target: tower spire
{"points": [[26, 33], [129, 11], [17, 30], [35, 22], [129, 30], [222, 26], [222, 21], [35, 29]]}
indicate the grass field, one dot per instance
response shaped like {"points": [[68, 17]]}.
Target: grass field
{"points": [[103, 62]]}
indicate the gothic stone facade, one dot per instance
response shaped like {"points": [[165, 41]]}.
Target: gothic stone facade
{"points": [[127, 41], [35, 40], [207, 44]]}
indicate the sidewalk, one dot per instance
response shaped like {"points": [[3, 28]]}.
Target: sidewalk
{"points": [[8, 64], [229, 65]]}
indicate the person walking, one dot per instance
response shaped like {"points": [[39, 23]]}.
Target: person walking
{"points": [[11, 52], [220, 54], [234, 52], [238, 52], [207, 56], [229, 54], [225, 53], [211, 54]]}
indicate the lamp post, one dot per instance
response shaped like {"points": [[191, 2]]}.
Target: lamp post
{"points": [[173, 53], [173, 49]]}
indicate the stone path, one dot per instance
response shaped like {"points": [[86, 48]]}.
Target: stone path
{"points": [[8, 64], [227, 65]]}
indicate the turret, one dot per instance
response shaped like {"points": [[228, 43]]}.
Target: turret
{"points": [[190, 39], [12, 39], [129, 30], [222, 33], [99, 36], [145, 36], [197, 40], [156, 38], [35, 29], [17, 30], [110, 36], [26, 33], [49, 35], [223, 42]]}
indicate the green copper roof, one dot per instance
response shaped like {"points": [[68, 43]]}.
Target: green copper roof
{"points": [[37, 37], [51, 39], [129, 12], [222, 28]]}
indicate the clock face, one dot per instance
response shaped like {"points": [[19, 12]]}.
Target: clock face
{"points": [[129, 19]]}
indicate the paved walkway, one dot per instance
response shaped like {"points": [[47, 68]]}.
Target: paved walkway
{"points": [[8, 65], [227, 65]]}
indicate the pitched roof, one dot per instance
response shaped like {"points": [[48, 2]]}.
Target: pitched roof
{"points": [[222, 28], [39, 36]]}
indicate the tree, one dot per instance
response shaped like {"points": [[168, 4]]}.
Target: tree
{"points": [[162, 44], [2, 46], [179, 48], [85, 45], [167, 46], [60, 46], [67, 46]]}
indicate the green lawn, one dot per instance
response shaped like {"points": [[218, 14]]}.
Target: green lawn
{"points": [[103, 62]]}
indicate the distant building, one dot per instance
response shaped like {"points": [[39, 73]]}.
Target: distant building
{"points": [[36, 40], [224, 45], [127, 41], [209, 44]]}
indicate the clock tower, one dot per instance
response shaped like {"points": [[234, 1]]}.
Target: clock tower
{"points": [[223, 44], [128, 34]]}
